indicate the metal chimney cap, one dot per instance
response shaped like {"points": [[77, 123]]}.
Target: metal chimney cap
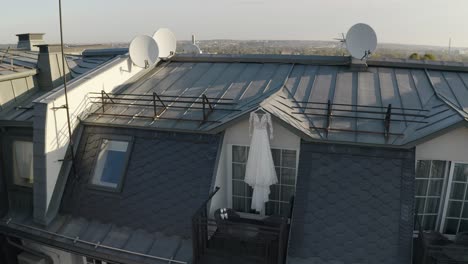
{"points": [[31, 36], [49, 48]]}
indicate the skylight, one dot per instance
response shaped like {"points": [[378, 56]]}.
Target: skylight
{"points": [[111, 163]]}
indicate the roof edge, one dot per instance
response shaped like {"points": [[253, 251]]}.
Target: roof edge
{"points": [[264, 58]]}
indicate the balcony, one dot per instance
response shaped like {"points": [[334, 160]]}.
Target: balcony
{"points": [[431, 247], [235, 239]]}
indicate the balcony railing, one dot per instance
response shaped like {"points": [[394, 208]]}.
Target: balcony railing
{"points": [[434, 248], [238, 239]]}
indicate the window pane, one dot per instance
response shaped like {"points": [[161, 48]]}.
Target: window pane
{"points": [[460, 172], [421, 187], [463, 226], [238, 171], [274, 192], [238, 204], [272, 208], [437, 169], [430, 222], [283, 159], [458, 191], [454, 209], [239, 154], [286, 193], [288, 176], [289, 159], [420, 218], [111, 163], [284, 209], [22, 162], [276, 153], [420, 205], [239, 188], [432, 205], [451, 226], [465, 210], [435, 187], [114, 166], [423, 167]]}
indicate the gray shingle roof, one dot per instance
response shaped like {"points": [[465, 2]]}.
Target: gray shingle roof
{"points": [[284, 87], [169, 176], [352, 205]]}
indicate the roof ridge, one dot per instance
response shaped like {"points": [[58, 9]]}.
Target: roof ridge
{"points": [[462, 113]]}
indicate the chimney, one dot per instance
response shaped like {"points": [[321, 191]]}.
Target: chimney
{"points": [[29, 41], [50, 68]]}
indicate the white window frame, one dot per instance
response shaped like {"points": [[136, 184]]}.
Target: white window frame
{"points": [[447, 197], [443, 191], [229, 178], [104, 186]]}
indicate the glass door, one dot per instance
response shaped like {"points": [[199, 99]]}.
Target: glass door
{"points": [[455, 217]]}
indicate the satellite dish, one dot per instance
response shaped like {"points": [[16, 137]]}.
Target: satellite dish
{"points": [[192, 49], [166, 42], [144, 51], [361, 41]]}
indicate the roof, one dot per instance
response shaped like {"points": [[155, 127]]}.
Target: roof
{"points": [[360, 219], [18, 85], [425, 98], [102, 240], [152, 214]]}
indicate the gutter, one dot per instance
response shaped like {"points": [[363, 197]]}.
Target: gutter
{"points": [[31, 251], [97, 245], [18, 75]]}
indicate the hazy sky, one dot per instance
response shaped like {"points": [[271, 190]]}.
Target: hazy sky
{"points": [[430, 22]]}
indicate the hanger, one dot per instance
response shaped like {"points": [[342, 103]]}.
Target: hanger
{"points": [[260, 111]]}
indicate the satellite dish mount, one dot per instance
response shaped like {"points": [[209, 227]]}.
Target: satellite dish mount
{"points": [[361, 42]]}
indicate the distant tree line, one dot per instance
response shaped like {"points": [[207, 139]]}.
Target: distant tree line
{"points": [[426, 56]]}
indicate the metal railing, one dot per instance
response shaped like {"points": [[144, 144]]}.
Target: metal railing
{"points": [[441, 252], [228, 238], [160, 103]]}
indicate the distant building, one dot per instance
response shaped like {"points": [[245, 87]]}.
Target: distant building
{"points": [[362, 153]]}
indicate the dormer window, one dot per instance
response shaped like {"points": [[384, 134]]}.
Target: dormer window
{"points": [[111, 163], [22, 157]]}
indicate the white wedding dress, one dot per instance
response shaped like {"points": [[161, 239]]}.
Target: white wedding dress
{"points": [[260, 171]]}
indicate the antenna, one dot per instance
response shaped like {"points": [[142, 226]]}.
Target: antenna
{"points": [[65, 89], [192, 48], [361, 41], [450, 46], [166, 41], [342, 41], [144, 51]]}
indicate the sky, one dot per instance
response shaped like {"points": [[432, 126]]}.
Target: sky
{"points": [[424, 22]]}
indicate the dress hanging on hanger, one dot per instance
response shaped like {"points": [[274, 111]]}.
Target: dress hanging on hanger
{"points": [[260, 171]]}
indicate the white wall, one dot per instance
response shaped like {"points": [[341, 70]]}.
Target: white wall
{"points": [[238, 134], [450, 146], [50, 126]]}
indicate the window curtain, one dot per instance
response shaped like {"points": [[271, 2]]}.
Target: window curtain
{"points": [[23, 162]]}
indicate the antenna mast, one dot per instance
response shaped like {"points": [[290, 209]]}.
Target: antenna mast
{"points": [[64, 77], [450, 46]]}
